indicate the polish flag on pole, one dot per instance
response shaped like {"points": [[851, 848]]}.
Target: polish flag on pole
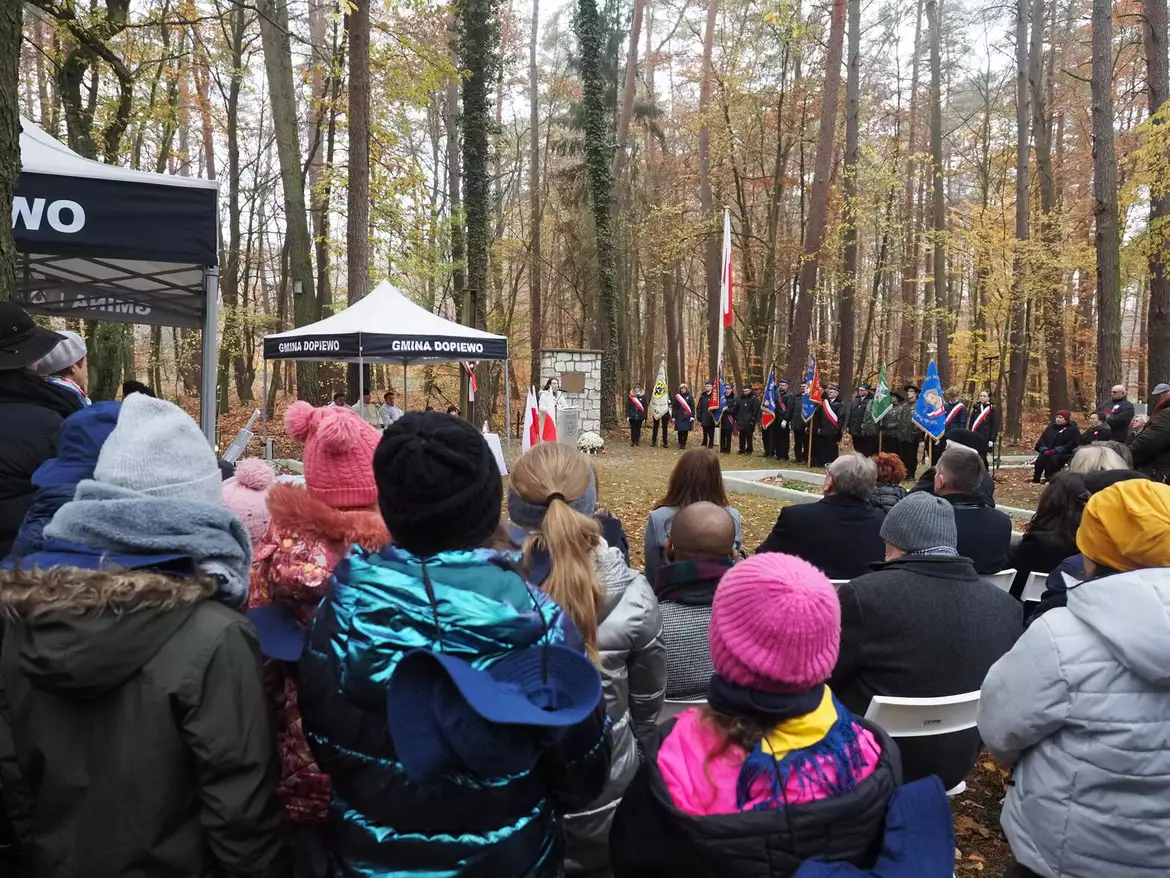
{"points": [[549, 433], [725, 287], [530, 435]]}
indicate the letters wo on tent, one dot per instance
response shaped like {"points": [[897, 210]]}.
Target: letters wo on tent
{"points": [[101, 242]]}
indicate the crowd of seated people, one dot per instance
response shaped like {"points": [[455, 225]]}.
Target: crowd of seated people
{"points": [[410, 666]]}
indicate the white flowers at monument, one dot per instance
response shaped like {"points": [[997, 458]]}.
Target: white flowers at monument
{"points": [[590, 443]]}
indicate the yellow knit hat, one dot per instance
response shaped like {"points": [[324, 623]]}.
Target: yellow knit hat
{"points": [[1127, 526]]}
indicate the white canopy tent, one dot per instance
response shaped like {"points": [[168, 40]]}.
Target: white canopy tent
{"points": [[101, 242], [386, 326]]}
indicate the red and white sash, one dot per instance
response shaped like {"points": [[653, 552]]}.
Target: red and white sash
{"points": [[979, 418], [958, 407], [638, 403], [827, 408], [678, 397]]}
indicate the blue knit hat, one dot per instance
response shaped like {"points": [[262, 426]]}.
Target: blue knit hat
{"points": [[83, 434]]}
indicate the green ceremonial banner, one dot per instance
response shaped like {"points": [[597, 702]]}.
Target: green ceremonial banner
{"points": [[882, 401]]}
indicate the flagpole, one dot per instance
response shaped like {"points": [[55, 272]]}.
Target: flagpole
{"points": [[810, 438]]}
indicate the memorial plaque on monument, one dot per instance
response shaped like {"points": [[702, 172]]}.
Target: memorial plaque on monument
{"points": [[568, 426]]}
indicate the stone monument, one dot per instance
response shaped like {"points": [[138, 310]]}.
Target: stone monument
{"points": [[580, 374]]}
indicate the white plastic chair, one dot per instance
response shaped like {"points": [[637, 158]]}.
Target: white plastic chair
{"points": [[672, 709], [925, 718], [1034, 588], [1002, 580], [837, 583]]}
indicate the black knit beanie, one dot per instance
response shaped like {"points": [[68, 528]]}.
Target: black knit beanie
{"points": [[438, 484]]}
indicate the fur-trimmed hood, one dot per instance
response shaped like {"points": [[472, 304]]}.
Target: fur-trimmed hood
{"points": [[294, 511], [83, 632]]}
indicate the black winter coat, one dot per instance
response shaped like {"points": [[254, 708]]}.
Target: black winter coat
{"points": [[985, 533], [747, 412], [633, 413], [1037, 552], [822, 426], [142, 733], [1097, 433], [840, 535], [857, 414], [31, 412], [986, 486], [1151, 447], [1117, 413], [787, 408], [730, 412], [886, 497], [705, 415], [989, 427], [923, 627], [651, 838], [683, 422], [959, 421], [1063, 440]]}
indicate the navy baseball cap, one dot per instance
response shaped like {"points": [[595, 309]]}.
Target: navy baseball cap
{"points": [[445, 714]]}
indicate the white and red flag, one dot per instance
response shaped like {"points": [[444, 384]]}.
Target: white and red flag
{"points": [[725, 286], [531, 433]]}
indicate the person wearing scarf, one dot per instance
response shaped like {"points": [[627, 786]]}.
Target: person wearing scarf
{"points": [[67, 365], [773, 770]]}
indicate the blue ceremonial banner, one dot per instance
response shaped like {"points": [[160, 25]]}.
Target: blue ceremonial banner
{"points": [[811, 401], [768, 406], [930, 415]]}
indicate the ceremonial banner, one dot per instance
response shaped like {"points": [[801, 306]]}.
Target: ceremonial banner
{"points": [[882, 401], [768, 406], [659, 398], [812, 395], [930, 414]]}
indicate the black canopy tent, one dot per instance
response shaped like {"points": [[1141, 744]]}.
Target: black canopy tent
{"points": [[101, 242]]}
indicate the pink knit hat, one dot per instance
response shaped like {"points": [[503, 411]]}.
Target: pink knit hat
{"points": [[775, 624], [246, 494], [339, 454]]}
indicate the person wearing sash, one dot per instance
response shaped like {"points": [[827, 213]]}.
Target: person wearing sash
{"points": [[799, 427], [827, 423], [984, 420], [956, 417], [682, 411], [636, 404], [862, 443], [727, 421], [705, 415], [747, 415]]}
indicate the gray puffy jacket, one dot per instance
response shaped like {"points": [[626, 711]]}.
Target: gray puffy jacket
{"points": [[633, 671], [1081, 705]]}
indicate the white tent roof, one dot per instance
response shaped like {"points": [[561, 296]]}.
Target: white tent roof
{"points": [[41, 153], [385, 325]]}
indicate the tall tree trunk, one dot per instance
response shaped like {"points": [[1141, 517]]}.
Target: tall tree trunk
{"points": [[1051, 292], [939, 217], [534, 296], [357, 201], [10, 24], [713, 247], [274, 34], [599, 174], [1157, 93], [819, 197], [1106, 237], [1018, 326], [852, 113], [628, 90], [910, 236], [479, 56]]}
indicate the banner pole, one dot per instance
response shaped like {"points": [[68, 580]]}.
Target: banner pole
{"points": [[810, 439], [880, 436]]}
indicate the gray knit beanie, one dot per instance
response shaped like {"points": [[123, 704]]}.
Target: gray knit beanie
{"points": [[157, 449], [921, 521]]}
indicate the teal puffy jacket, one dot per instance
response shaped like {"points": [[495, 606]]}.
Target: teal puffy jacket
{"points": [[377, 609]]}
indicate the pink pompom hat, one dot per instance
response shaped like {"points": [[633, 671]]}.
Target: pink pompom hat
{"points": [[339, 454], [775, 625], [246, 494]]}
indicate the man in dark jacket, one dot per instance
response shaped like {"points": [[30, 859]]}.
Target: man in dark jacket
{"points": [[956, 419], [1118, 413], [747, 416], [840, 532], [31, 412], [985, 533], [705, 416], [1151, 447], [700, 549], [971, 440], [922, 625], [782, 428], [862, 443], [636, 405], [727, 422], [827, 424], [800, 432], [984, 419]]}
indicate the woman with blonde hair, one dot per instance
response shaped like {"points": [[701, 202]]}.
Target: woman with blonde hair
{"points": [[551, 502], [1096, 458]]}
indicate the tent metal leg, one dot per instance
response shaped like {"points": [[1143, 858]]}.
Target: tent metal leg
{"points": [[208, 407], [264, 404], [404, 407], [507, 407], [361, 384]]}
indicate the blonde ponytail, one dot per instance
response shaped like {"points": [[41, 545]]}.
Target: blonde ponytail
{"points": [[554, 475]]}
